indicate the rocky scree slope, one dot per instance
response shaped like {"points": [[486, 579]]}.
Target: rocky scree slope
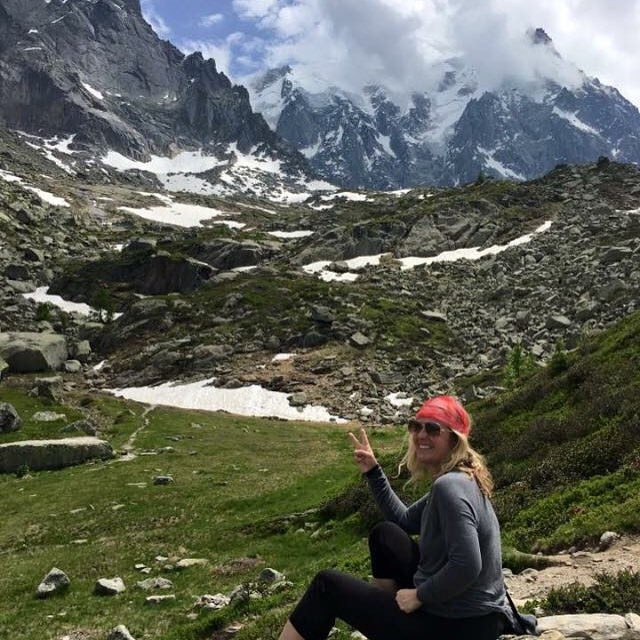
{"points": [[432, 329]]}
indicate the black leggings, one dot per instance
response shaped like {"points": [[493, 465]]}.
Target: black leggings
{"points": [[373, 610]]}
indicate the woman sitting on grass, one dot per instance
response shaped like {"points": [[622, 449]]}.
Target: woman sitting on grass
{"points": [[449, 584]]}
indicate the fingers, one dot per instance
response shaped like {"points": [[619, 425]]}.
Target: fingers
{"points": [[363, 437], [354, 440]]}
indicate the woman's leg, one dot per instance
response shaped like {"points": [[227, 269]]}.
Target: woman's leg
{"points": [[371, 610], [289, 633], [394, 557]]}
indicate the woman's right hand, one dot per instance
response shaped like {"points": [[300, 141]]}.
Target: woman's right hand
{"points": [[362, 452]]}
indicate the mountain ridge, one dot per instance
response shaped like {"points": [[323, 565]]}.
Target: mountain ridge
{"points": [[455, 131]]}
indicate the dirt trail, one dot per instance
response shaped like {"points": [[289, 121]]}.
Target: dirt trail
{"points": [[581, 567]]}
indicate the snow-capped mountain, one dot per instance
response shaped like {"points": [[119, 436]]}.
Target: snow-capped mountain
{"points": [[454, 132]]}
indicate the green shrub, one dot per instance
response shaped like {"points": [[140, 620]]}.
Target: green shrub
{"points": [[612, 593], [43, 312]]}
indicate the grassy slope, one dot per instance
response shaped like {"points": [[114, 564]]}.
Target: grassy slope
{"points": [[234, 478], [564, 447]]}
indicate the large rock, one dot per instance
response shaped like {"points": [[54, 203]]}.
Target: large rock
{"points": [[9, 418], [52, 454], [596, 626], [30, 352]]}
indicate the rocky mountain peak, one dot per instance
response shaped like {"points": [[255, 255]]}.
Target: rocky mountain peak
{"points": [[539, 36], [270, 77], [369, 137], [95, 69]]}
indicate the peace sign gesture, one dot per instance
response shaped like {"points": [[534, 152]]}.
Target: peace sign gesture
{"points": [[363, 453]]}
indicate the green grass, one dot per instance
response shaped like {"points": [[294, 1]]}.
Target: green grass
{"points": [[233, 477]]}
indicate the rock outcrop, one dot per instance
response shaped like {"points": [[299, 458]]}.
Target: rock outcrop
{"points": [[27, 352], [38, 455]]}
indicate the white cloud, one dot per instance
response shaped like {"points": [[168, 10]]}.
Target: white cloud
{"points": [[255, 8], [220, 52], [210, 20], [397, 42], [153, 18]]}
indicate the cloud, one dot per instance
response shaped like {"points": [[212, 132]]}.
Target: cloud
{"points": [[220, 52], [210, 20], [405, 43], [153, 18], [236, 49]]}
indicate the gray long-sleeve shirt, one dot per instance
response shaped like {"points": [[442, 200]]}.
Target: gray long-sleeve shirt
{"points": [[460, 569]]}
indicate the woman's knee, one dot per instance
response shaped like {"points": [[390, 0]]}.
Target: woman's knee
{"points": [[323, 580], [382, 531]]}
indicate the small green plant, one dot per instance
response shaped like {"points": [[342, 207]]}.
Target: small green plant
{"points": [[559, 361], [23, 470], [43, 312], [520, 365], [103, 301], [612, 593]]}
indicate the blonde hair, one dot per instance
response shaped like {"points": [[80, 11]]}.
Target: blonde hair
{"points": [[462, 458]]}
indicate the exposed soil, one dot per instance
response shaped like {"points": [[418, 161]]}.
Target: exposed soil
{"points": [[580, 567]]}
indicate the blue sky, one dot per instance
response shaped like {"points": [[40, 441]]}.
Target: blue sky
{"points": [[396, 41]]}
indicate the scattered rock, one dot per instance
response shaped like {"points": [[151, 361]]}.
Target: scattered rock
{"points": [[159, 599], [154, 583], [120, 633], [9, 418], [161, 480], [359, 340], [48, 416], [48, 388], [31, 352], [595, 626], [269, 576], [185, 563], [216, 601], [109, 587], [55, 582], [607, 539]]}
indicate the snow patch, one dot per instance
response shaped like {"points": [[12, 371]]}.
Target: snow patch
{"points": [[45, 196], [94, 92], [573, 119], [290, 234], [246, 401], [180, 214]]}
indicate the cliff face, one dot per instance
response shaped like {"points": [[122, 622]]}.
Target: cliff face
{"points": [[96, 69]]}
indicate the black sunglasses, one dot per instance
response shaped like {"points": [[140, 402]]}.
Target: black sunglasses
{"points": [[431, 428]]}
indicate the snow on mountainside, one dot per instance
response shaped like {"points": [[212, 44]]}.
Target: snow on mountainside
{"points": [[454, 131]]}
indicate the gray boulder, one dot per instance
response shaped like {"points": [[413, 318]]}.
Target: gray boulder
{"points": [[56, 581], [31, 352], [154, 583], [85, 426], [48, 388], [52, 454], [9, 418], [120, 633], [596, 626], [109, 587]]}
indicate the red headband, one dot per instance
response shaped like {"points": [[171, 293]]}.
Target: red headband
{"points": [[447, 412]]}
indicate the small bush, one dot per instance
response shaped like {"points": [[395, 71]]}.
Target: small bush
{"points": [[612, 593], [43, 312]]}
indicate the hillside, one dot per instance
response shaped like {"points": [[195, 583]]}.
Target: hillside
{"points": [[250, 493]]}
